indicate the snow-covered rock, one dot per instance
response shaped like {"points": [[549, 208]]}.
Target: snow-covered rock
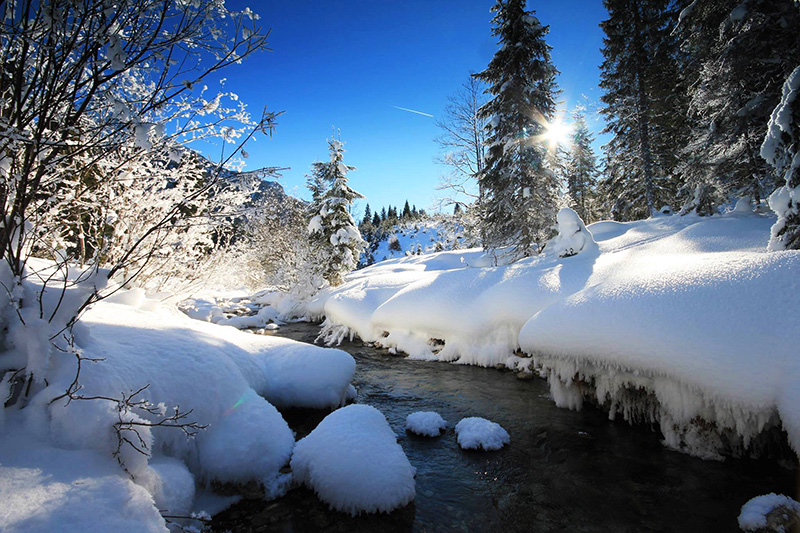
{"points": [[770, 512], [426, 423], [353, 462], [475, 433]]}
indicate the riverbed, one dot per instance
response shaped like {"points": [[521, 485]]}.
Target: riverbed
{"points": [[563, 471]]}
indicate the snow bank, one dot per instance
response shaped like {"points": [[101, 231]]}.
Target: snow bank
{"points": [[217, 376], [426, 423], [475, 433], [354, 464], [692, 310], [770, 512], [47, 489]]}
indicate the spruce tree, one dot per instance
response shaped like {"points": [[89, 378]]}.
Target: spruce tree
{"points": [[376, 219], [755, 45], [781, 149], [332, 231], [644, 97], [581, 168], [520, 193], [406, 211], [367, 215]]}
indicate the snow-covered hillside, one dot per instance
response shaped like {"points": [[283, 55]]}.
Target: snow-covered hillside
{"points": [[428, 234], [686, 322]]}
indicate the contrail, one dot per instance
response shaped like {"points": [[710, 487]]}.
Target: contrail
{"points": [[412, 111]]}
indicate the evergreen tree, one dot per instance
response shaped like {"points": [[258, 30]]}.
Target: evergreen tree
{"points": [[457, 210], [367, 215], [332, 231], [644, 105], [406, 211], [376, 219], [754, 45], [414, 212], [781, 149], [581, 168], [520, 193], [383, 214]]}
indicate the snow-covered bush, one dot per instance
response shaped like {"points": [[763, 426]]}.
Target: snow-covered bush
{"points": [[89, 171], [573, 237], [95, 177]]}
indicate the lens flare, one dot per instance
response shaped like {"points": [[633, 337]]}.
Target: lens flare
{"points": [[557, 133]]}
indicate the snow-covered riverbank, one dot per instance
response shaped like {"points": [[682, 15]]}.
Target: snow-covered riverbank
{"points": [[109, 461], [683, 321]]}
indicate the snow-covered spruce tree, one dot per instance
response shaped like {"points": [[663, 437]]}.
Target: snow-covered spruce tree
{"points": [[335, 239], [520, 191], [581, 169], [644, 106], [755, 45], [781, 149]]}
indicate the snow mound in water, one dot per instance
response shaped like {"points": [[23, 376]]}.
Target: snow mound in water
{"points": [[426, 423], [478, 433], [251, 439], [354, 464], [754, 515]]}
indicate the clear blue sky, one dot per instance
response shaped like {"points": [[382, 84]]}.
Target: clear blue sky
{"points": [[348, 63]]}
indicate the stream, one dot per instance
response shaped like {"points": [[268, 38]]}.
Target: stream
{"points": [[563, 471]]}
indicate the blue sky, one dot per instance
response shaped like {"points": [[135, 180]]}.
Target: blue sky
{"points": [[349, 63]]}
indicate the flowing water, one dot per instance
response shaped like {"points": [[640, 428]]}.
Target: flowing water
{"points": [[563, 471]]}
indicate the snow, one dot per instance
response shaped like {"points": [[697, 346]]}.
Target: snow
{"points": [[779, 150], [66, 459], [47, 489], [426, 423], [430, 234], [673, 305], [754, 513], [475, 433], [354, 464], [573, 237]]}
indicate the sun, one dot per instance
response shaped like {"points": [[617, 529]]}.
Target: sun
{"points": [[557, 133]]}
